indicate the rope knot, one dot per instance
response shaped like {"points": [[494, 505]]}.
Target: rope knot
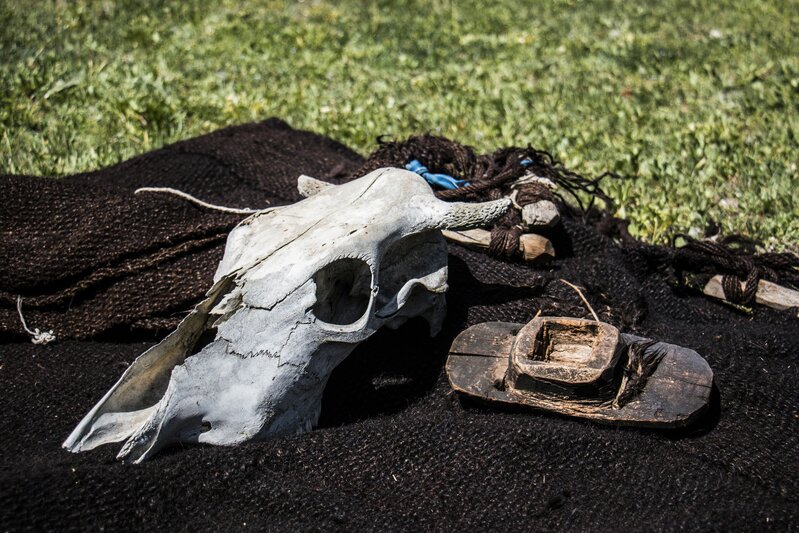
{"points": [[37, 336], [42, 337]]}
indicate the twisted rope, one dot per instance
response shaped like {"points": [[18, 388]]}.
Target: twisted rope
{"points": [[739, 264], [529, 173]]}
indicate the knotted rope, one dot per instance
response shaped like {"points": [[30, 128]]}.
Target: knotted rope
{"points": [[525, 174], [736, 259], [37, 337]]}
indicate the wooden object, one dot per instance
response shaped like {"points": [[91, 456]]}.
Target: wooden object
{"points": [[580, 368], [534, 248], [768, 293]]}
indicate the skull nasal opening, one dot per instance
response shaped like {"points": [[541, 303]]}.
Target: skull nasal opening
{"points": [[343, 290]]}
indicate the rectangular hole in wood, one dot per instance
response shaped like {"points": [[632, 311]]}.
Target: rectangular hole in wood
{"points": [[565, 344]]}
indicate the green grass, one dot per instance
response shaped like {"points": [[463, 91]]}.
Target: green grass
{"points": [[696, 101]]}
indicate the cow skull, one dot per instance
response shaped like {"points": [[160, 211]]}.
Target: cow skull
{"points": [[297, 289]]}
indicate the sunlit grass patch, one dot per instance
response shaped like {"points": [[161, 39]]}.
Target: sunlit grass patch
{"points": [[695, 102]]}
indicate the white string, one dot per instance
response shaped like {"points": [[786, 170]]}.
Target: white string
{"points": [[190, 198], [37, 337], [580, 293], [44, 337]]}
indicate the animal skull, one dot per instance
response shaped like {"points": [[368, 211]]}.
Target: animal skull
{"points": [[297, 289]]}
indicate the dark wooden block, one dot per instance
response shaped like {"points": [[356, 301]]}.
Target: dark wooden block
{"points": [[581, 368]]}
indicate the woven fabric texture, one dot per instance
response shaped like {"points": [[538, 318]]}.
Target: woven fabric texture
{"points": [[111, 273]]}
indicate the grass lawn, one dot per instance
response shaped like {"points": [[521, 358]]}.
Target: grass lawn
{"points": [[697, 102]]}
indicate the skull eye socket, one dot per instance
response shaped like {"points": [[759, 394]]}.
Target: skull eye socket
{"points": [[343, 290], [409, 259]]}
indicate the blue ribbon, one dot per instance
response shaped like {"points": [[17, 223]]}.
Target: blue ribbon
{"points": [[442, 180]]}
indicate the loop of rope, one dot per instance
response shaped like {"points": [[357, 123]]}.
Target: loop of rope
{"points": [[532, 192], [731, 285], [504, 241]]}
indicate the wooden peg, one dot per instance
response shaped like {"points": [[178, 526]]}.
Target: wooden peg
{"points": [[768, 293], [534, 247]]}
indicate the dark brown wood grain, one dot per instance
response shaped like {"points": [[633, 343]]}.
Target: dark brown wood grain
{"points": [[578, 368]]}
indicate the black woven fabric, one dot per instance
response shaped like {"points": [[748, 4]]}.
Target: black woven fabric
{"points": [[111, 273]]}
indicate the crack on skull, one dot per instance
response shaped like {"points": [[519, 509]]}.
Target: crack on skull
{"points": [[280, 361]]}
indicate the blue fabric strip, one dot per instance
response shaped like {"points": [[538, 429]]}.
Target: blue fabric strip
{"points": [[441, 180]]}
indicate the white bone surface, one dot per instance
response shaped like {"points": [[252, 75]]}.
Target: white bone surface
{"points": [[297, 289], [308, 186]]}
